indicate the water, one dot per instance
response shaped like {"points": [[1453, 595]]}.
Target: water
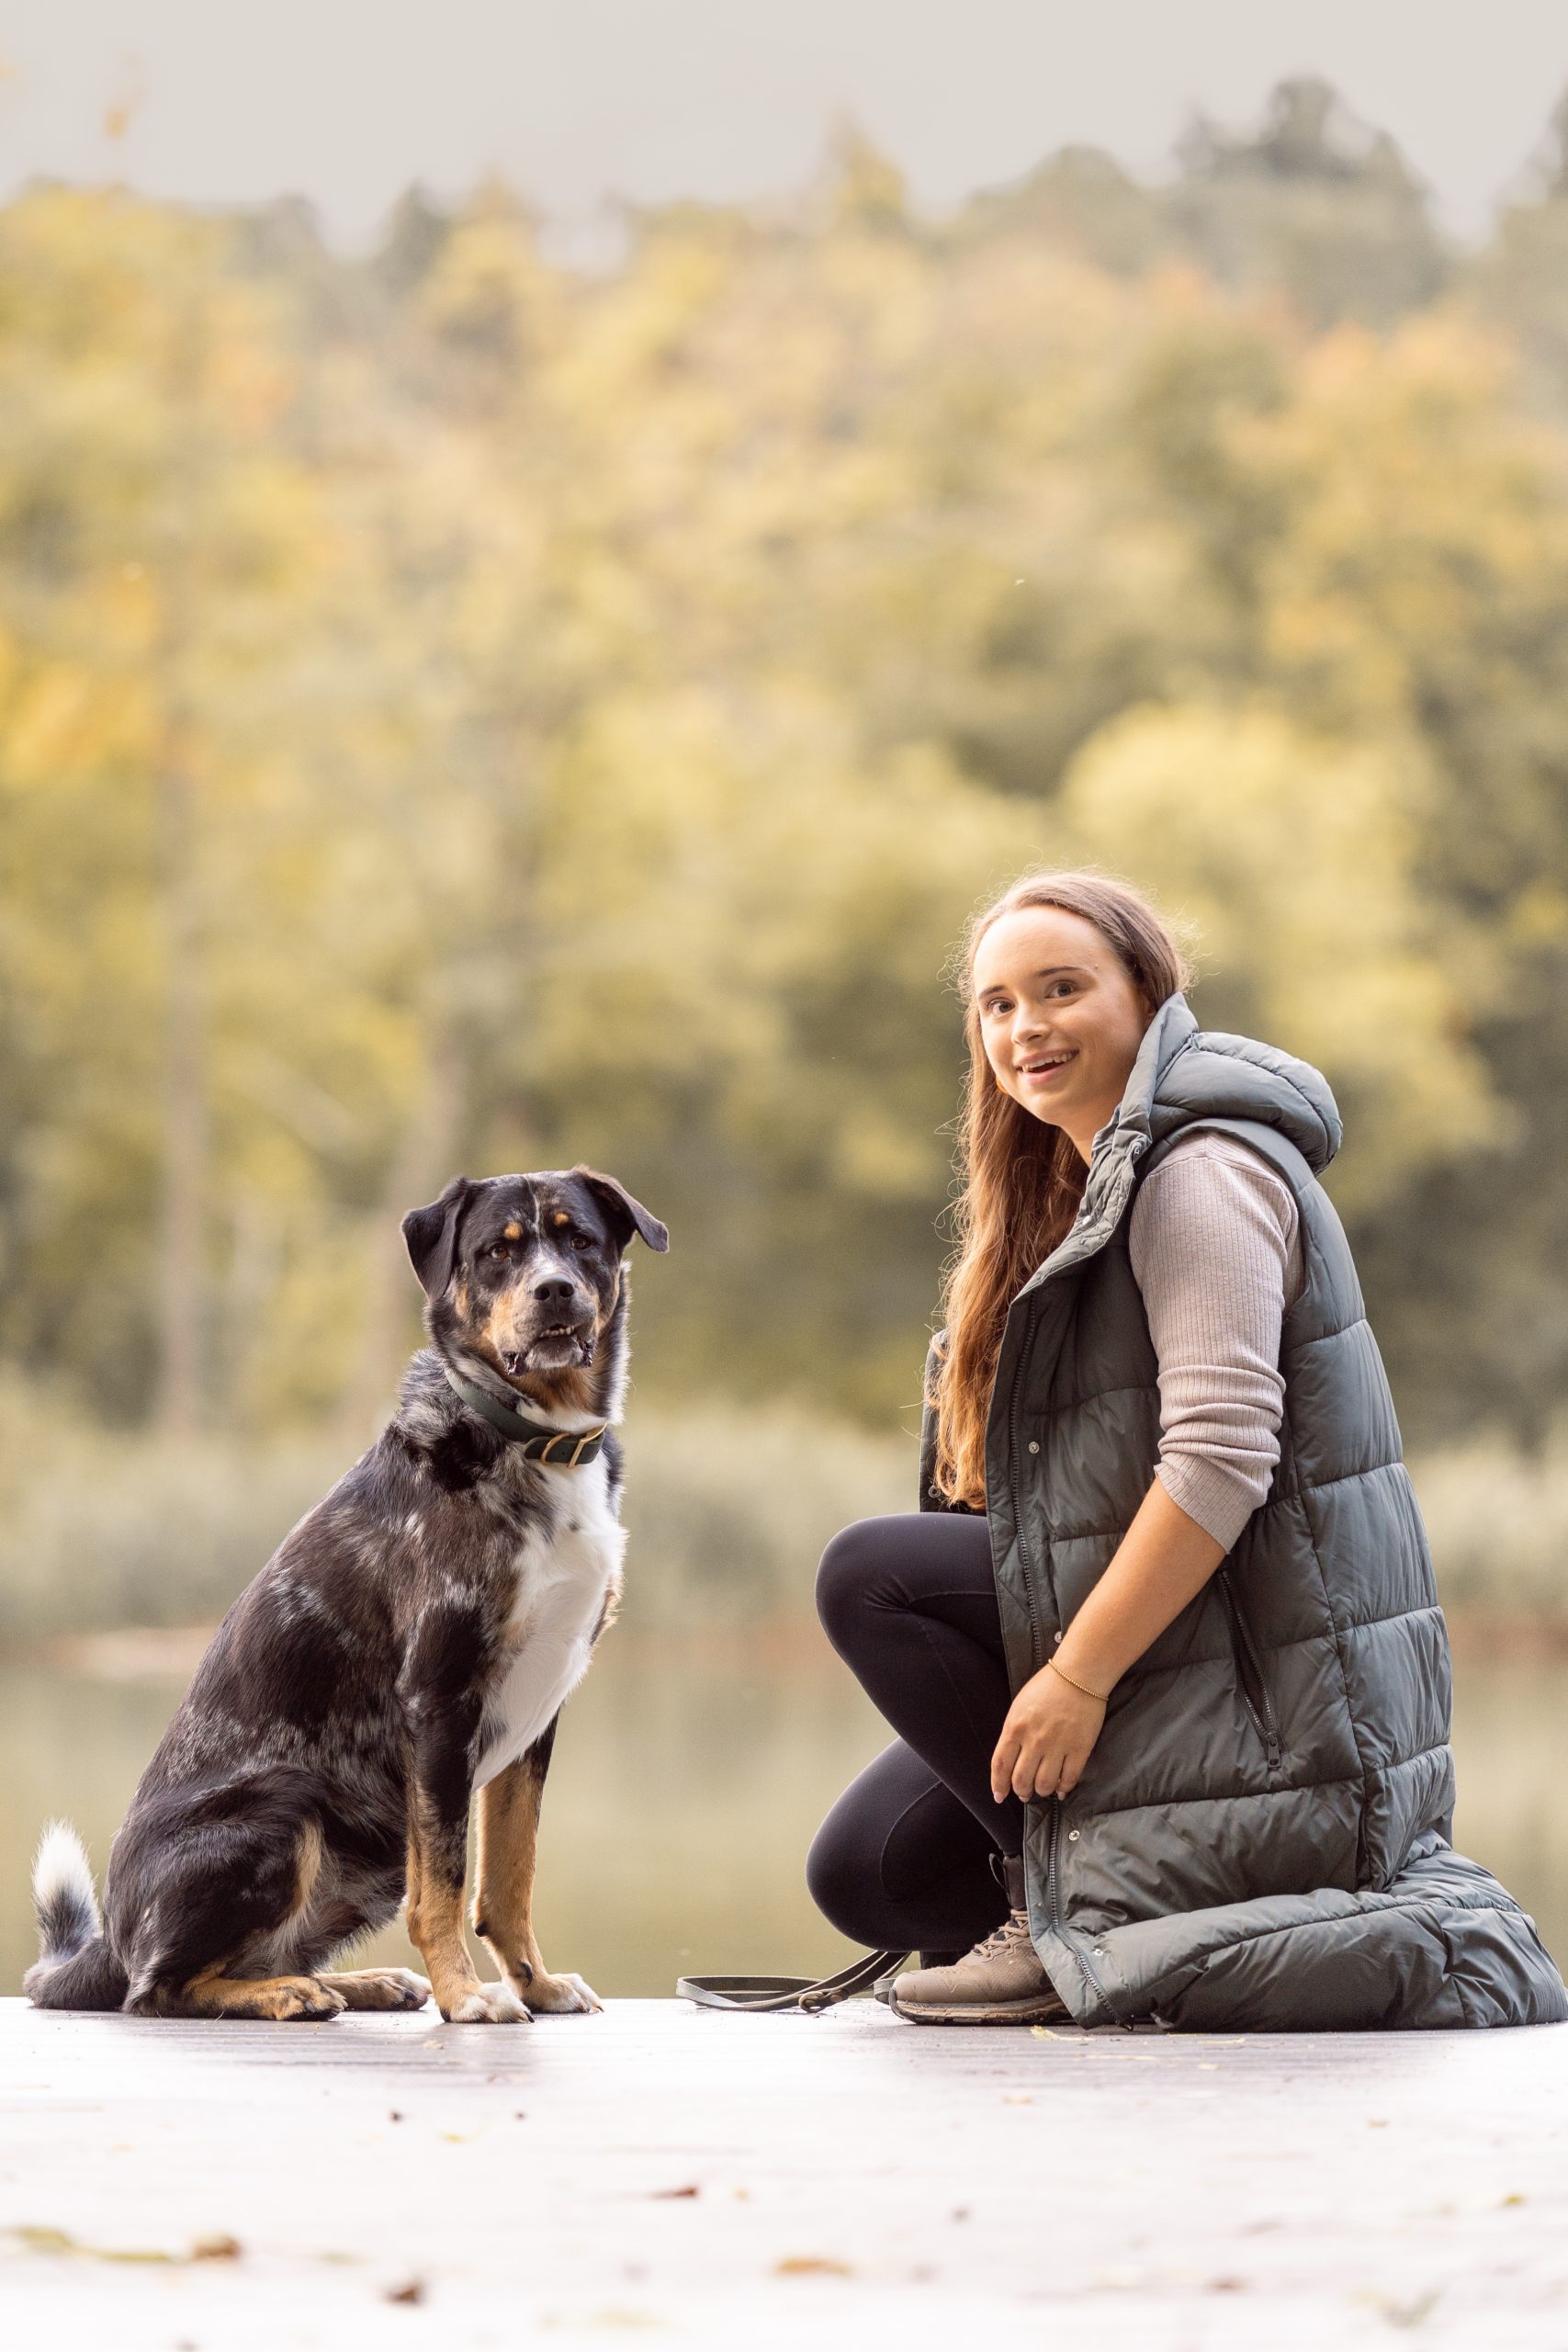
{"points": [[688, 1780]]}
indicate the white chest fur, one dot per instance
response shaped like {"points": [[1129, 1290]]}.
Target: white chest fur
{"points": [[564, 1576]]}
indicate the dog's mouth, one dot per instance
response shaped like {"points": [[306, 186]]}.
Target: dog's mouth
{"points": [[555, 1349]]}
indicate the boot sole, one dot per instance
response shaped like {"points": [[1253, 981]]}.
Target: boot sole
{"points": [[1033, 2012]]}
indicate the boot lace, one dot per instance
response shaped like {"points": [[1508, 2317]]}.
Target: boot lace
{"points": [[1013, 1932]]}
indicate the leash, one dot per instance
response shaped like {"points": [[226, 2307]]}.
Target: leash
{"points": [[533, 1439], [805, 1994]]}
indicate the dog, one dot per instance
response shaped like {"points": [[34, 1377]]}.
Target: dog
{"points": [[410, 1643]]}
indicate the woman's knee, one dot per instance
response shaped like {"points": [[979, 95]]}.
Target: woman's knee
{"points": [[841, 1879], [848, 1577]]}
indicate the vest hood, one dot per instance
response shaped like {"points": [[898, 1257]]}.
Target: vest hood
{"points": [[1183, 1073]]}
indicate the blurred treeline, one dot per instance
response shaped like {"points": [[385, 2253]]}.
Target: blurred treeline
{"points": [[458, 710]]}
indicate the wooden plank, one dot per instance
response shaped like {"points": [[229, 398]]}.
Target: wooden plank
{"points": [[732, 2181]]}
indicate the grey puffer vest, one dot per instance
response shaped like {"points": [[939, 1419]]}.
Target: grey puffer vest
{"points": [[1261, 1836]]}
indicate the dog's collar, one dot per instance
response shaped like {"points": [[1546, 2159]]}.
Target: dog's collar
{"points": [[534, 1438]]}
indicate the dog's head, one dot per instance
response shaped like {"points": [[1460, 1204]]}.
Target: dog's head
{"points": [[523, 1273]]}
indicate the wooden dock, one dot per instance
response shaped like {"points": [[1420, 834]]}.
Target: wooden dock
{"points": [[752, 2182]]}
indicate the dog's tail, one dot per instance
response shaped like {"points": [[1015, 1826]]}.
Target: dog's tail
{"points": [[74, 1969]]}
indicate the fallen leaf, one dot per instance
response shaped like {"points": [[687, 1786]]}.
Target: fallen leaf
{"points": [[220, 2247], [410, 2291], [1514, 2199], [691, 2191], [1045, 2032], [1412, 2313], [812, 2266], [36, 2239]]}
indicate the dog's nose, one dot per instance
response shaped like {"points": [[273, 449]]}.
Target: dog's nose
{"points": [[556, 1292]]}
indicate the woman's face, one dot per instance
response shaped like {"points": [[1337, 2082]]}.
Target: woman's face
{"points": [[1061, 1021]]}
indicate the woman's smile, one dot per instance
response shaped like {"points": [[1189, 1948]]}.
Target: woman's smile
{"points": [[1041, 1069], [1045, 969]]}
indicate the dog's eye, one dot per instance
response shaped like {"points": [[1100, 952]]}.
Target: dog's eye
{"points": [[498, 1250], [581, 1241]]}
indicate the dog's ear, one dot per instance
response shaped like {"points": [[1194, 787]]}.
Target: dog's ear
{"points": [[627, 1216], [432, 1235]]}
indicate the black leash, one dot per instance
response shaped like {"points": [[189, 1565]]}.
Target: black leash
{"points": [[806, 1994]]}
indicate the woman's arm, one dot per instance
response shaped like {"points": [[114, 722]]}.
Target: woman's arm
{"points": [[1163, 1558]]}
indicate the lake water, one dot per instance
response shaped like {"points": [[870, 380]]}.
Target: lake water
{"points": [[688, 1780]]}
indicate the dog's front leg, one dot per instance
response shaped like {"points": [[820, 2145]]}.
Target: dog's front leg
{"points": [[439, 1837], [503, 1898]]}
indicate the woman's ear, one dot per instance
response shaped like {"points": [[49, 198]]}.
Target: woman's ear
{"points": [[627, 1216], [432, 1235]]}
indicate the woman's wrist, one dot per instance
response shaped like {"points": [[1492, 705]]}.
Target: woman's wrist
{"points": [[1089, 1690]]}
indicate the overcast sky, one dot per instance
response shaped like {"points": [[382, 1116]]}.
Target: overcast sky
{"points": [[349, 100]]}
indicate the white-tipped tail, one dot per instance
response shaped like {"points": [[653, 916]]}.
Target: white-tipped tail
{"points": [[62, 1893]]}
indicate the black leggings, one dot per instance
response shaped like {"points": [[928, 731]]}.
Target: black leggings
{"points": [[905, 1857]]}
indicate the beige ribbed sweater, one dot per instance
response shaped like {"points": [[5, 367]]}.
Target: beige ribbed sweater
{"points": [[1215, 1243]]}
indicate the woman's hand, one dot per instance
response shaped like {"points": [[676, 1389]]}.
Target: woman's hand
{"points": [[1046, 1740]]}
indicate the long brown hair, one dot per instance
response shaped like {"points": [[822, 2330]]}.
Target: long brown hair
{"points": [[1021, 1179]]}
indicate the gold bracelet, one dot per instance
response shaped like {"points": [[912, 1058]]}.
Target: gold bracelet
{"points": [[1068, 1678]]}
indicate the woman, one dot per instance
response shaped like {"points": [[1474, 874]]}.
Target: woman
{"points": [[1163, 1646]]}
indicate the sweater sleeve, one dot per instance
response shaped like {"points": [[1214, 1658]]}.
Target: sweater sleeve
{"points": [[1215, 1249]]}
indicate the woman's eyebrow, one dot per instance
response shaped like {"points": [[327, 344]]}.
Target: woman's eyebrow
{"points": [[996, 987]]}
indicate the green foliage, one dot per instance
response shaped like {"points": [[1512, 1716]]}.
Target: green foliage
{"points": [[457, 712]]}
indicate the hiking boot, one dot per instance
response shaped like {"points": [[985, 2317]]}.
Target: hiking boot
{"points": [[1001, 1982], [882, 1988]]}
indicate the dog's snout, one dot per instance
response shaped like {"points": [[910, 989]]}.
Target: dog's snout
{"points": [[557, 1291]]}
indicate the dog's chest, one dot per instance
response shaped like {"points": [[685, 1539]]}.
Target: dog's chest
{"points": [[565, 1573]]}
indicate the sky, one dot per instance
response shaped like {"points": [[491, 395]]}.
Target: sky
{"points": [[578, 102]]}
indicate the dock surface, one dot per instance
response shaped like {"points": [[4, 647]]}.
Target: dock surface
{"points": [[730, 2181]]}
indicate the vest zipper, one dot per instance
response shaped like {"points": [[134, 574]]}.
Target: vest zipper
{"points": [[1014, 1450]]}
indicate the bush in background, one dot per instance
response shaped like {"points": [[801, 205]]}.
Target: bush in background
{"points": [[728, 1511]]}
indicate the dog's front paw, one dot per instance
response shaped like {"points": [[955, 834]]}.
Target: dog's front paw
{"points": [[487, 2005], [562, 1996]]}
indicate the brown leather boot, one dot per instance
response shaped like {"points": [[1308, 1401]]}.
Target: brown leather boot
{"points": [[1001, 1982]]}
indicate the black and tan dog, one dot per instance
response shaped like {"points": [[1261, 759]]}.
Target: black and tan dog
{"points": [[409, 1642]]}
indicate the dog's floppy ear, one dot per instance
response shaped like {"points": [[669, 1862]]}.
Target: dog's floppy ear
{"points": [[432, 1235], [628, 1217]]}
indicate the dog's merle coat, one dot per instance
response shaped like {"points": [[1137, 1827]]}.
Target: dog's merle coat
{"points": [[409, 1642]]}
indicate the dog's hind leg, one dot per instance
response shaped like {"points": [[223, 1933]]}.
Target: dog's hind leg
{"points": [[504, 1899], [281, 1999], [226, 1901], [378, 1988]]}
